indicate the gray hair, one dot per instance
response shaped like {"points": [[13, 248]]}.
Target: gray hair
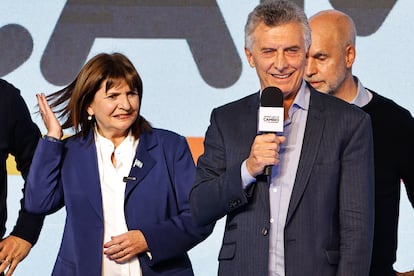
{"points": [[275, 13]]}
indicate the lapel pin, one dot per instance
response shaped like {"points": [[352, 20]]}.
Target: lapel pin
{"points": [[138, 163]]}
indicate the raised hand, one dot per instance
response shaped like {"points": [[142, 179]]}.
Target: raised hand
{"points": [[52, 124]]}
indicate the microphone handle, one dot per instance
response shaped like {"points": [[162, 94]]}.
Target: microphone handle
{"points": [[267, 170]]}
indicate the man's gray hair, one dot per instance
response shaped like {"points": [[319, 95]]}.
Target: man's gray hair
{"points": [[275, 13]]}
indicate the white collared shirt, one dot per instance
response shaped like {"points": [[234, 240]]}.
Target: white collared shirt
{"points": [[113, 196]]}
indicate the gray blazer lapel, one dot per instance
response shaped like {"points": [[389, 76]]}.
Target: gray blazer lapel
{"points": [[250, 125], [313, 133], [261, 187]]}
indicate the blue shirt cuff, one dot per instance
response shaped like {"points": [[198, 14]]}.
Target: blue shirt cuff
{"points": [[247, 179]]}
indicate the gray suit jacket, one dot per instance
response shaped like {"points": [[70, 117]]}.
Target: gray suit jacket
{"points": [[329, 226]]}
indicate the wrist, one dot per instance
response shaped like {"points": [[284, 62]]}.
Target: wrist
{"points": [[51, 138]]}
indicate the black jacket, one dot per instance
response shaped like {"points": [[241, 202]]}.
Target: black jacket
{"points": [[18, 136]]}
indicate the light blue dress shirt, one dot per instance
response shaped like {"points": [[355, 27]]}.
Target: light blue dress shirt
{"points": [[363, 96], [283, 178]]}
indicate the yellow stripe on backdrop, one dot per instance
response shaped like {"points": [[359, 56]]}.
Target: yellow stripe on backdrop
{"points": [[11, 165], [195, 143]]}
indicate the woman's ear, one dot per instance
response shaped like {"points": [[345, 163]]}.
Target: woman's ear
{"points": [[89, 110]]}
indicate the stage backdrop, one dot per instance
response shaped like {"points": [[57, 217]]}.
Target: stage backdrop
{"points": [[191, 59]]}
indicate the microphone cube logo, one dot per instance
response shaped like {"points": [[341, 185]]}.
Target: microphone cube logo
{"points": [[270, 119]]}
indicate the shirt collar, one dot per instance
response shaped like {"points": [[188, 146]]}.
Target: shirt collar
{"points": [[124, 149], [363, 96], [301, 100]]}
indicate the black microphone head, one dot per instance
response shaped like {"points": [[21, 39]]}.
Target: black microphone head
{"points": [[271, 97]]}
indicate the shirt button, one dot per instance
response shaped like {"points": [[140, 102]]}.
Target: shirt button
{"points": [[265, 231]]}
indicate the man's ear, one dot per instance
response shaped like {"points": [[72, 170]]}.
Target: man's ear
{"points": [[249, 57], [350, 55]]}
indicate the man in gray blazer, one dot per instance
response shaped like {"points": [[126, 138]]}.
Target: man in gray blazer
{"points": [[314, 214]]}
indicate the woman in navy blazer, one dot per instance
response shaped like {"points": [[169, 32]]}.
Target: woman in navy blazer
{"points": [[124, 184]]}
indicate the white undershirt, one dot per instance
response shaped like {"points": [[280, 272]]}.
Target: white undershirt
{"points": [[113, 195]]}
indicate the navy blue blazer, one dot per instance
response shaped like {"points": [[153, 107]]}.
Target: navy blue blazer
{"points": [[156, 202], [329, 225]]}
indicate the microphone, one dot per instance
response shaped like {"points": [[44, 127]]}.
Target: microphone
{"points": [[271, 114], [128, 178]]}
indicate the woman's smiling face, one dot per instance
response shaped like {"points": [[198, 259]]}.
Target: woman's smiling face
{"points": [[115, 110]]}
